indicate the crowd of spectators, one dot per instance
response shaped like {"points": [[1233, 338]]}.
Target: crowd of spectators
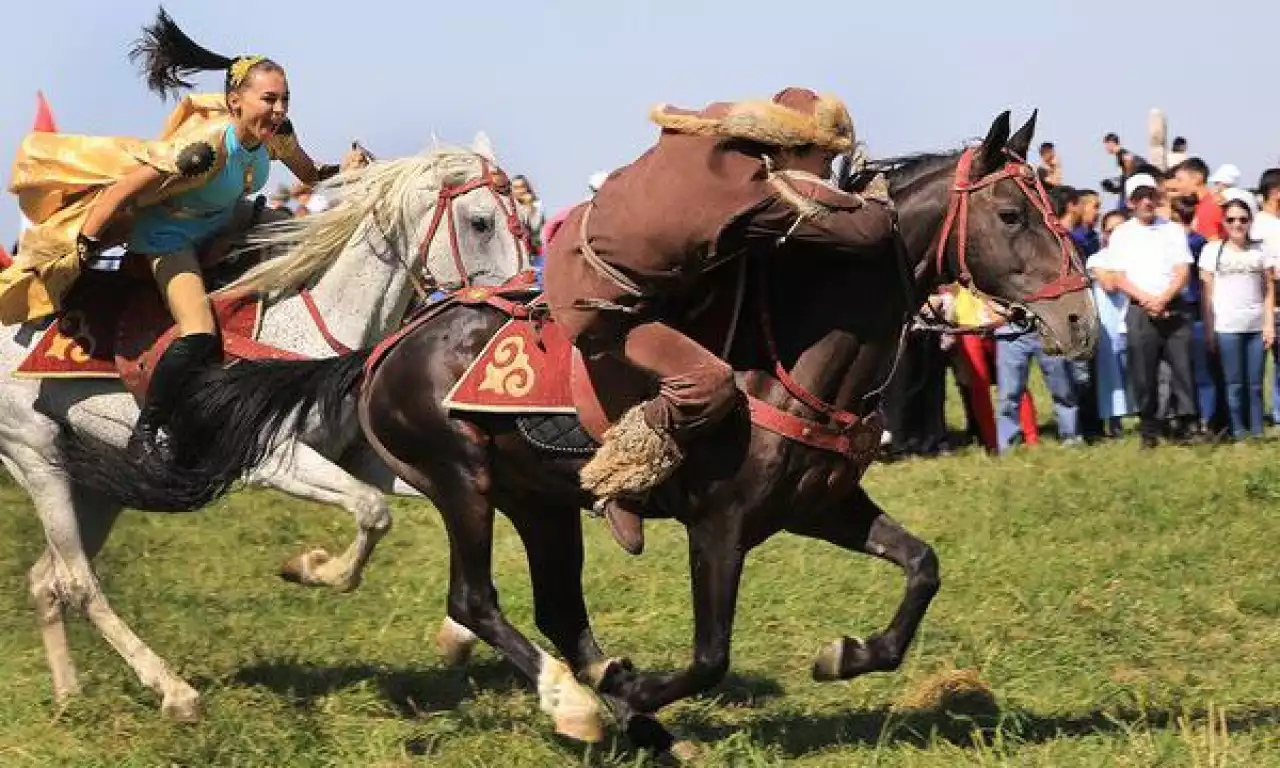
{"points": [[1182, 271]]}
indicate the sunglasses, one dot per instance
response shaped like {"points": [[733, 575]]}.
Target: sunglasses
{"points": [[1237, 219]]}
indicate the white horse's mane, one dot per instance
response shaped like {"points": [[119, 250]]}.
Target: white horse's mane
{"points": [[310, 244]]}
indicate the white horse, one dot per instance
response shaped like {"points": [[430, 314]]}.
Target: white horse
{"points": [[362, 260]]}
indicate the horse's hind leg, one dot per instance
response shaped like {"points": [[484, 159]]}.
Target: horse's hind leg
{"points": [[864, 527], [473, 604], [300, 471]]}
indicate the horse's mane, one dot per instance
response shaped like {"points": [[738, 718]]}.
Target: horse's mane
{"points": [[904, 171], [311, 244]]}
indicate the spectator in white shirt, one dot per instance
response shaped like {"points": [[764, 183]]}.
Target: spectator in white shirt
{"points": [[1238, 275], [1152, 263], [1266, 227]]}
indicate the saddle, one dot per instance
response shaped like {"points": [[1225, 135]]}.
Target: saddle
{"points": [[114, 325]]}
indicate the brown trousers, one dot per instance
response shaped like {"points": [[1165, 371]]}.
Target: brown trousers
{"points": [[695, 388]]}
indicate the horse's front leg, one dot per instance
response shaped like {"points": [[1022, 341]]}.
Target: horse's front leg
{"points": [[863, 527], [299, 470], [716, 556]]}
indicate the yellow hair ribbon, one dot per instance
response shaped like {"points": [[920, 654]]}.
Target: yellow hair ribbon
{"points": [[240, 68]]}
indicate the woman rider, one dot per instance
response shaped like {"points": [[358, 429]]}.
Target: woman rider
{"points": [[166, 199]]}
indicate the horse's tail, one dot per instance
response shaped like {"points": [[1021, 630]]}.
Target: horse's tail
{"points": [[227, 421]]}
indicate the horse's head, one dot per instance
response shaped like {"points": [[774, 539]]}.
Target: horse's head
{"points": [[1000, 235], [466, 220]]}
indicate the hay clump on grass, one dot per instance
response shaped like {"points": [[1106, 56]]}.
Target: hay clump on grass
{"points": [[957, 691]]}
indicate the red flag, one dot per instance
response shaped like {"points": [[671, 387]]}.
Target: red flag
{"points": [[5, 258], [44, 123], [44, 116]]}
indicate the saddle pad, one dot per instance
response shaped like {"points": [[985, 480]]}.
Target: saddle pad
{"points": [[523, 369], [111, 322]]}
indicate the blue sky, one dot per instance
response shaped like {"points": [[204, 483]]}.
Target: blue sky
{"points": [[563, 87]]}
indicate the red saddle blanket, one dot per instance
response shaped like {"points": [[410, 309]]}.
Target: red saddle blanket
{"points": [[523, 369], [116, 326]]}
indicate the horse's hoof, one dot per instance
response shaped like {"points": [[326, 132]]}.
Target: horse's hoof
{"points": [[826, 667], [685, 751], [301, 569], [66, 694], [182, 706], [574, 709], [585, 727], [455, 642]]}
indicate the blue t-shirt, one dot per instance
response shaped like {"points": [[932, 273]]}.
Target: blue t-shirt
{"points": [[186, 220], [1086, 239]]}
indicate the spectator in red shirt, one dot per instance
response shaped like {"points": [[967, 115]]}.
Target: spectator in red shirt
{"points": [[1193, 179]]}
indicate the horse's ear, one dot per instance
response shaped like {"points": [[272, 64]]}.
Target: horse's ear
{"points": [[991, 153], [1020, 142], [483, 147]]}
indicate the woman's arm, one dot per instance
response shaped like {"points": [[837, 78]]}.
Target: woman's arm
{"points": [[1206, 308], [1269, 307], [116, 197]]}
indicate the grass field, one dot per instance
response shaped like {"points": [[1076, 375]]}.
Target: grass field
{"points": [[1122, 607]]}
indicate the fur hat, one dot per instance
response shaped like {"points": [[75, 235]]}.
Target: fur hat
{"points": [[794, 117]]}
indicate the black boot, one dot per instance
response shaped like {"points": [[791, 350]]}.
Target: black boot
{"points": [[183, 359]]}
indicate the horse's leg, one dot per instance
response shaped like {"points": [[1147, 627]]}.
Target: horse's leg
{"points": [[715, 562], [299, 470], [552, 538], [473, 605], [42, 582], [76, 584], [864, 527], [96, 516]]}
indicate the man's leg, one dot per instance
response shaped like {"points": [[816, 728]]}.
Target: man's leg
{"points": [[1143, 347], [1013, 358], [1058, 376], [1177, 350]]}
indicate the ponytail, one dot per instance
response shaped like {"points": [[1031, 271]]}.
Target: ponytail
{"points": [[167, 56]]}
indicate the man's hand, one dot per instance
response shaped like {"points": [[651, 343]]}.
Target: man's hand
{"points": [[1156, 306]]}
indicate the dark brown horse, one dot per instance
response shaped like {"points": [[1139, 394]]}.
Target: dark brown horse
{"points": [[974, 216], [838, 326]]}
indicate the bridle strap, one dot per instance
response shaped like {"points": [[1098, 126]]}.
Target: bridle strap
{"points": [[1069, 280], [488, 179]]}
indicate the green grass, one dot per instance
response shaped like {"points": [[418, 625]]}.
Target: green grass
{"points": [[1122, 607]]}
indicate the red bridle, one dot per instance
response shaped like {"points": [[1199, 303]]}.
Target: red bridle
{"points": [[488, 179], [1069, 280]]}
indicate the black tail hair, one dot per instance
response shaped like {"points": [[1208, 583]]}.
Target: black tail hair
{"points": [[168, 56], [227, 421]]}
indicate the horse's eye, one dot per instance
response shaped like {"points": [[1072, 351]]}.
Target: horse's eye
{"points": [[1011, 217], [480, 224]]}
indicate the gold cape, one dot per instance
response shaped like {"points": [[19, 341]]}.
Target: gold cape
{"points": [[59, 177]]}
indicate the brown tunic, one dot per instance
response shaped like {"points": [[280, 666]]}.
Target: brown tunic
{"points": [[685, 206]]}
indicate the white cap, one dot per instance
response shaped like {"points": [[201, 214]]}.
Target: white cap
{"points": [[1227, 175], [1138, 181], [596, 181], [1243, 195]]}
